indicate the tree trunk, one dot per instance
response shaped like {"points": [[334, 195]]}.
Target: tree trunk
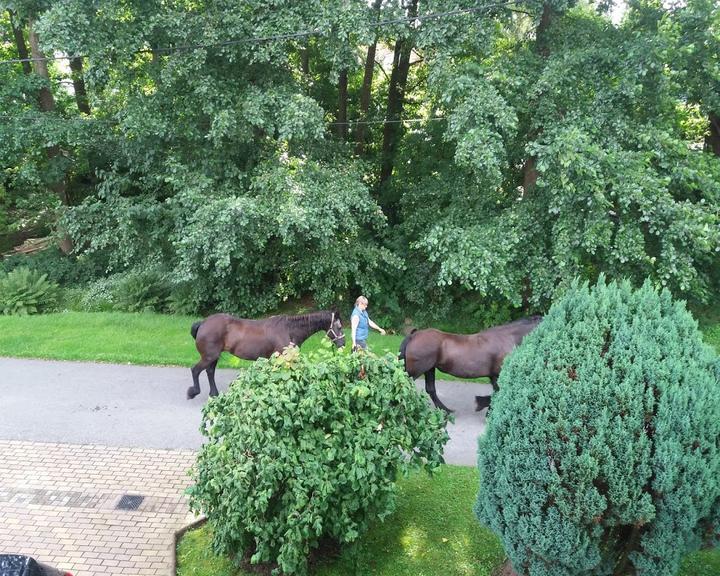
{"points": [[541, 36], [342, 127], [529, 174], [366, 90], [712, 140], [505, 570], [20, 43], [45, 98], [396, 100], [79, 85], [543, 49], [47, 104]]}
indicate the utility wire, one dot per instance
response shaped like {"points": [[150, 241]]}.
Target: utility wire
{"points": [[289, 36], [43, 117]]}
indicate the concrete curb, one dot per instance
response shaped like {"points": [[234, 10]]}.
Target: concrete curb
{"points": [[176, 539]]}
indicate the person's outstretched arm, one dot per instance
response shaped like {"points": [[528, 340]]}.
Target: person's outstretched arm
{"points": [[373, 325]]}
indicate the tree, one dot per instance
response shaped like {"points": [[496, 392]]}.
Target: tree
{"points": [[545, 143], [601, 455], [366, 89], [395, 102], [695, 28], [567, 160]]}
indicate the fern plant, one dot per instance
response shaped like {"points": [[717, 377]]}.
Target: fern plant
{"points": [[24, 291]]}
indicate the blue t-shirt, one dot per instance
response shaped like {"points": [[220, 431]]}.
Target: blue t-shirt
{"points": [[363, 325]]}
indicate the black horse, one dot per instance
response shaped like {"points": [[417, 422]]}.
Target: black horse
{"points": [[462, 355], [253, 339]]}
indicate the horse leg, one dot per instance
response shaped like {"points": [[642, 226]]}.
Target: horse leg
{"points": [[211, 378], [493, 381], [482, 402], [430, 389], [194, 390]]}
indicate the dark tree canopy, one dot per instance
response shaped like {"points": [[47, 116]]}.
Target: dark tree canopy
{"points": [[506, 149]]}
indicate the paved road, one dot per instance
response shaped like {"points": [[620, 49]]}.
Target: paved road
{"points": [[141, 406]]}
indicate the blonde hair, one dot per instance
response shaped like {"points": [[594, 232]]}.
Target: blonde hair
{"points": [[361, 300]]}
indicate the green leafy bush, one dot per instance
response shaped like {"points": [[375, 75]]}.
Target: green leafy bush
{"points": [[602, 454], [71, 299], [141, 291], [98, 296], [64, 269], [24, 291], [304, 448], [133, 291]]}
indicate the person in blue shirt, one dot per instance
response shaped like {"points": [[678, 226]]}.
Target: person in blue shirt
{"points": [[360, 324]]}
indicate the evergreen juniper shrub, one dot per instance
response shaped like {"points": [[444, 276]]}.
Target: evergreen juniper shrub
{"points": [[303, 449], [602, 453]]}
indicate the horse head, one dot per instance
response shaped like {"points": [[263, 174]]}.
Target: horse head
{"points": [[335, 332]]}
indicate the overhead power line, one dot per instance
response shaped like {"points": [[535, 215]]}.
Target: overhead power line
{"points": [[42, 117], [277, 37]]}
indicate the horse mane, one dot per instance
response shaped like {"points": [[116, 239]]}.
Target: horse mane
{"points": [[303, 320]]}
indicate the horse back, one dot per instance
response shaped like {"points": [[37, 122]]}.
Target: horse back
{"points": [[513, 333], [223, 332]]}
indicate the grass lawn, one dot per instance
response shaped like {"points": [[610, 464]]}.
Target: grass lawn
{"points": [[432, 533], [158, 339], [148, 339]]}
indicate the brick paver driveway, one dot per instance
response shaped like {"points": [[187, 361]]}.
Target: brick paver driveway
{"points": [[59, 503]]}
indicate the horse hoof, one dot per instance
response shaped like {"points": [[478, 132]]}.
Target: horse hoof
{"points": [[191, 393], [213, 392], [482, 402]]}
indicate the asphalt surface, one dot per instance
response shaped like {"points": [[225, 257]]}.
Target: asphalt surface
{"points": [[145, 406]]}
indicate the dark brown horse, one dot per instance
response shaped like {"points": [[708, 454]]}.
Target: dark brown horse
{"points": [[253, 339], [462, 355]]}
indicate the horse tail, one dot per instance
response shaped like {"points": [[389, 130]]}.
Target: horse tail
{"points": [[403, 346], [194, 329]]}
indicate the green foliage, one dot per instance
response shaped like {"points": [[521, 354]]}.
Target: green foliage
{"points": [[304, 448], [63, 269], [432, 532], [137, 290], [141, 291], [601, 455], [557, 145], [309, 220], [99, 296], [582, 166], [24, 291]]}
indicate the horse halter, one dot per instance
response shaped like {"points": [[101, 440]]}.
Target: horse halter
{"points": [[334, 337]]}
